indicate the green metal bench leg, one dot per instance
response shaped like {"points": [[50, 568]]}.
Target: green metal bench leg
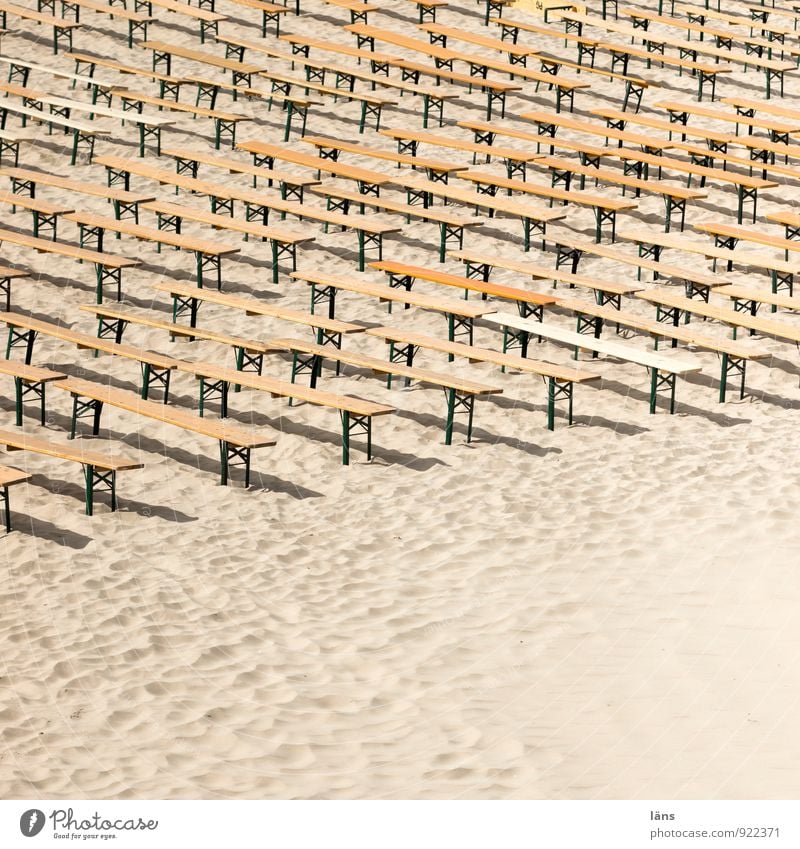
{"points": [[7, 509]]}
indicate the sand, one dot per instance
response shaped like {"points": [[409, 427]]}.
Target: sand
{"points": [[604, 611]]}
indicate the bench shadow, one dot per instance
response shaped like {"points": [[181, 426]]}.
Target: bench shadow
{"points": [[27, 525]]}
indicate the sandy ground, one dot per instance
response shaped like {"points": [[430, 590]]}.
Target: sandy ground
{"points": [[604, 611]]}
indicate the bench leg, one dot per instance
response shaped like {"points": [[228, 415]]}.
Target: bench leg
{"points": [[108, 275], [556, 390], [352, 423], [84, 410], [22, 389], [279, 250], [7, 508], [95, 480], [659, 381], [247, 361], [458, 402], [205, 263], [233, 455], [152, 376], [400, 354], [458, 326], [212, 389], [18, 339]]}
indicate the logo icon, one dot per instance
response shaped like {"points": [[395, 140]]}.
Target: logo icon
{"points": [[31, 822]]}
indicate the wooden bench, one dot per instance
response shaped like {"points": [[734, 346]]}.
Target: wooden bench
{"points": [[733, 355], [790, 221], [168, 84], [605, 209], [380, 63], [23, 331], [403, 275], [112, 322], [100, 467], [150, 126], [634, 86], [534, 219], [187, 299], [9, 144], [439, 34], [270, 13], [358, 9], [408, 142], [258, 204], [208, 254], [569, 252], [548, 122], [28, 380], [460, 316], [208, 21], [225, 123], [451, 224], [664, 371], [460, 394], [750, 299], [282, 242], [403, 345], [188, 162], [746, 187], [9, 477], [125, 204], [674, 197], [679, 113], [241, 72], [670, 308], [433, 97], [45, 214], [62, 28], [83, 132], [479, 265], [618, 120], [137, 23], [6, 276], [781, 273], [108, 267], [435, 169], [356, 414], [728, 236]]}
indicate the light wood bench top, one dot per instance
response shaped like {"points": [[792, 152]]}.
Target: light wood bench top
{"points": [[681, 243], [499, 204], [557, 119], [747, 234], [203, 57], [86, 58], [177, 330], [484, 355], [388, 36], [663, 269], [132, 403], [189, 11], [85, 127], [111, 11], [10, 476], [251, 306], [619, 179], [76, 451], [234, 167], [697, 170], [723, 115], [582, 198], [762, 106], [659, 329], [733, 20], [174, 106], [53, 71], [458, 144], [437, 165], [374, 98], [762, 296], [652, 123], [13, 273], [429, 213], [85, 341], [284, 389], [226, 222], [307, 160], [39, 17], [81, 186], [618, 350], [72, 251], [541, 272], [378, 366], [525, 135], [392, 294], [785, 217], [509, 293], [29, 374], [733, 318], [35, 204], [149, 234], [475, 38]]}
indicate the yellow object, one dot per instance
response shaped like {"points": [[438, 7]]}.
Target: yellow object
{"points": [[542, 7]]}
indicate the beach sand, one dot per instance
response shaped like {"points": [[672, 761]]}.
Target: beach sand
{"points": [[607, 610]]}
